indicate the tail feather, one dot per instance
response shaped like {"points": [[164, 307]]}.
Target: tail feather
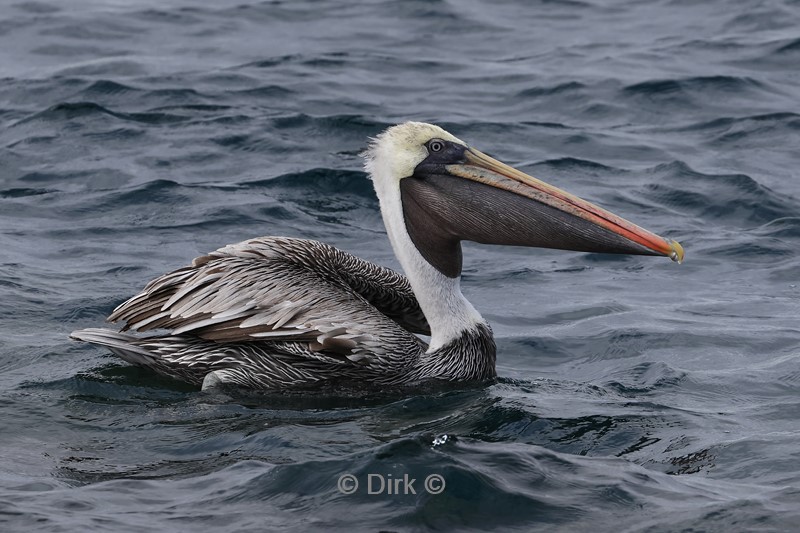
{"points": [[121, 344]]}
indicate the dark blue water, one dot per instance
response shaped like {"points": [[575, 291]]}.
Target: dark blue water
{"points": [[635, 394]]}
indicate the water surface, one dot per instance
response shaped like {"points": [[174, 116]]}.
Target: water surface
{"points": [[634, 394]]}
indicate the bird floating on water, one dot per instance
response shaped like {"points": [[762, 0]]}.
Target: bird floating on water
{"points": [[278, 313]]}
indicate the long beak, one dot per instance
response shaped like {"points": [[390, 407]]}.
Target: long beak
{"points": [[481, 168]]}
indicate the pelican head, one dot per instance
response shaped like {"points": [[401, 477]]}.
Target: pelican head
{"points": [[448, 191]]}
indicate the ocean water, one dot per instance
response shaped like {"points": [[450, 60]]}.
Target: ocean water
{"points": [[635, 394]]}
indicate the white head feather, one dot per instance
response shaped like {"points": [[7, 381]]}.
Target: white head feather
{"points": [[399, 149]]}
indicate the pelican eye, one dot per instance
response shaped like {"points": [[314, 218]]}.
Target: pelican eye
{"points": [[435, 145]]}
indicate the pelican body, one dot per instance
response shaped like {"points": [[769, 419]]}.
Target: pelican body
{"points": [[278, 313]]}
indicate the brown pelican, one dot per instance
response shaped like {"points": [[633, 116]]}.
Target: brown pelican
{"points": [[277, 313]]}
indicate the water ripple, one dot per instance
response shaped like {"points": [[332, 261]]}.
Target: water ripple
{"points": [[634, 394]]}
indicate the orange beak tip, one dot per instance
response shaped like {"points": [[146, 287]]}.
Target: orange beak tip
{"points": [[677, 252]]}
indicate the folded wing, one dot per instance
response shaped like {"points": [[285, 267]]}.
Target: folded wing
{"points": [[281, 289]]}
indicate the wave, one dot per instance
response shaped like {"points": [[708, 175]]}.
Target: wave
{"points": [[733, 198], [533, 92], [22, 192], [792, 47], [106, 87], [75, 110], [791, 120], [780, 228], [574, 163], [320, 182], [483, 487], [698, 83]]}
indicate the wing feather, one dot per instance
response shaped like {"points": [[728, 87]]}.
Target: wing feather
{"points": [[281, 289]]}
